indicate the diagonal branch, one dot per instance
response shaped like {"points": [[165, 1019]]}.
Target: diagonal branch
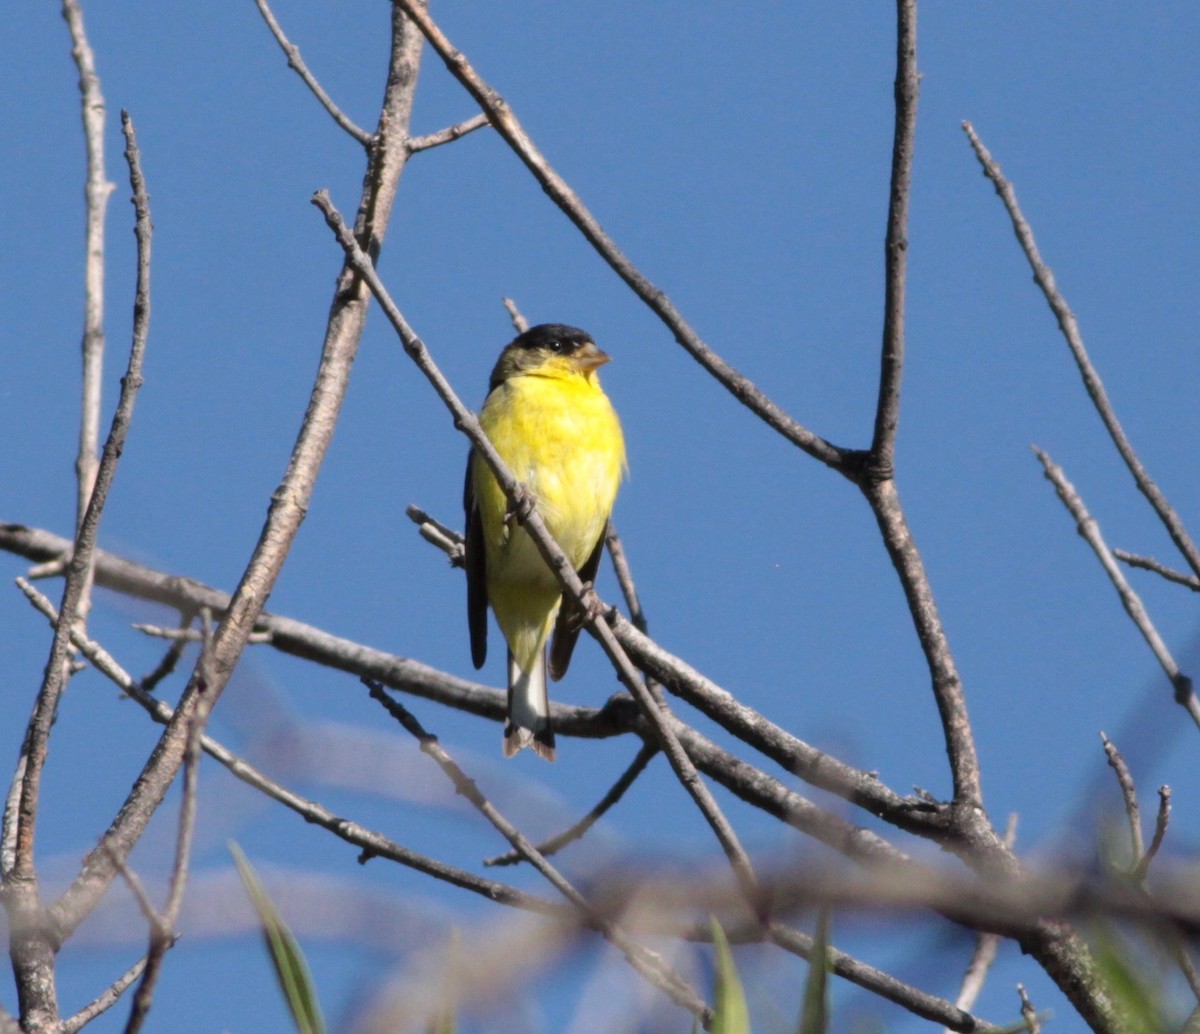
{"points": [[518, 497], [289, 502], [1091, 379], [370, 843], [501, 116], [32, 947], [576, 831], [105, 1000], [645, 962], [296, 62], [1088, 528]]}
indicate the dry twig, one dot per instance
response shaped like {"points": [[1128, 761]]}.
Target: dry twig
{"points": [[532, 522], [645, 962], [1088, 528], [296, 62], [1091, 378]]}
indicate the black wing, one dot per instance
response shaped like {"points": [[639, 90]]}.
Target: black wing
{"points": [[475, 563], [570, 618]]}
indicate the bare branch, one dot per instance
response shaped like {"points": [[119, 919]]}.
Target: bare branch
{"points": [[97, 192], [519, 322], [372, 844], [616, 553], [1091, 379], [290, 501], [182, 636], [501, 116], [575, 832], [1090, 530], [645, 962], [1129, 795], [1150, 564], [162, 926], [301, 640], [437, 534], [518, 497], [1160, 831], [150, 681], [986, 946], [887, 411], [105, 1000], [916, 1001], [296, 62], [447, 135], [1028, 1013], [33, 951]]}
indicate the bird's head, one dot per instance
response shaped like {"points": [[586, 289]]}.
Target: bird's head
{"points": [[550, 349]]}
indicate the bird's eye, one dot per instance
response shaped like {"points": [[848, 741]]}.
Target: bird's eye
{"points": [[555, 347]]}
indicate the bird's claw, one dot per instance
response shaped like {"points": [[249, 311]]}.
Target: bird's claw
{"points": [[523, 505]]}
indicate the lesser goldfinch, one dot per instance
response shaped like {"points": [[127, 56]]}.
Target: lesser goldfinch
{"points": [[558, 434]]}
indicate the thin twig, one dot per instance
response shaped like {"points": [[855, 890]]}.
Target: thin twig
{"points": [[1028, 1012], [371, 844], [986, 946], [105, 1000], [1091, 378], [907, 88], [1150, 564], [1090, 530], [447, 135], [519, 322], [289, 504], [1161, 821], [34, 951], [296, 62], [182, 636], [920, 1003], [646, 963], [510, 129], [162, 925], [437, 534], [167, 664], [615, 792], [295, 638], [1133, 815], [616, 553], [97, 192], [568, 577]]}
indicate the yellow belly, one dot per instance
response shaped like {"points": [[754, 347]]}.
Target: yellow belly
{"points": [[559, 436]]}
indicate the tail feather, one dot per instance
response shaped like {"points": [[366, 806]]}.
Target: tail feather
{"points": [[528, 723]]}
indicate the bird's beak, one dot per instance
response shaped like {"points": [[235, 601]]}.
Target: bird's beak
{"points": [[589, 357]]}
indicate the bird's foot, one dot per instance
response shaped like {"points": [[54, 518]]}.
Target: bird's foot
{"points": [[523, 504]]}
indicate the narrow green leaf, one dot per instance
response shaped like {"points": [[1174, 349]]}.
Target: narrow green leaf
{"points": [[291, 969], [1136, 996], [814, 1017], [731, 1016]]}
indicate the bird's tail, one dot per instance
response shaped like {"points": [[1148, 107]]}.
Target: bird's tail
{"points": [[528, 723]]}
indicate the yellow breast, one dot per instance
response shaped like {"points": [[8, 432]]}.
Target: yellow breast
{"points": [[559, 435]]}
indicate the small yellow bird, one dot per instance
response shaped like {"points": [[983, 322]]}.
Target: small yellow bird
{"points": [[557, 432]]}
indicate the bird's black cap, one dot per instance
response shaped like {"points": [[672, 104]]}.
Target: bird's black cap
{"points": [[557, 337]]}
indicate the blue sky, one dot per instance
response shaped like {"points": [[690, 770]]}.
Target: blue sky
{"points": [[739, 155]]}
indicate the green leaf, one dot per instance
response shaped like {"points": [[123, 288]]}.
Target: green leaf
{"points": [[814, 1017], [291, 970], [1137, 997], [731, 1016]]}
